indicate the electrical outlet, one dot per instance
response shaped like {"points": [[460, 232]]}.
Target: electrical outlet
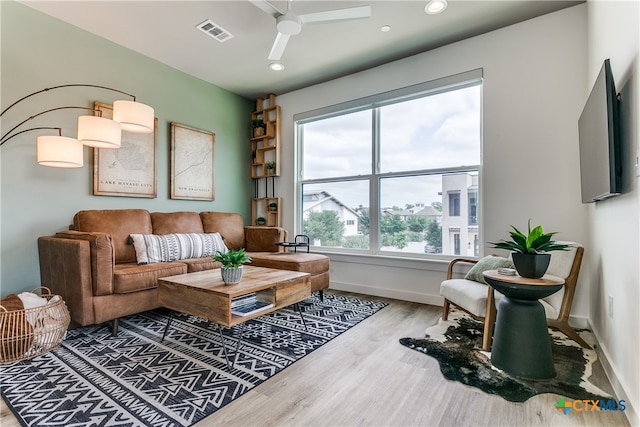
{"points": [[611, 306]]}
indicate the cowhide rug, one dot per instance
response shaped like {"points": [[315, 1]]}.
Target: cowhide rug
{"points": [[457, 346]]}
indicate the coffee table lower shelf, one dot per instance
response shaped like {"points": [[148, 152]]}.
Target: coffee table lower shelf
{"points": [[203, 294]]}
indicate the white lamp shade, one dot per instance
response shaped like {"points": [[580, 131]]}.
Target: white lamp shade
{"points": [[59, 152], [99, 132], [134, 116]]}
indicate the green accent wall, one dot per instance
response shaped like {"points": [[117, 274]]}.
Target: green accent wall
{"points": [[39, 51]]}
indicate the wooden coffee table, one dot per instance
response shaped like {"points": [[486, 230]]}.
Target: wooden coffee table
{"points": [[205, 295]]}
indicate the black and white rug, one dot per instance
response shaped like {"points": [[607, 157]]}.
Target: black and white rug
{"points": [[134, 380], [457, 346]]}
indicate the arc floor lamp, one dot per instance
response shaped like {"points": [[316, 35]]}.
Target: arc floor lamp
{"points": [[93, 131]]}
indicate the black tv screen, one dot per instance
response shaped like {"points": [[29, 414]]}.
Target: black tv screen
{"points": [[598, 128]]}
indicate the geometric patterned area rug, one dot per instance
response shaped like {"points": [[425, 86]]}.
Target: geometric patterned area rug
{"points": [[457, 345], [134, 380]]}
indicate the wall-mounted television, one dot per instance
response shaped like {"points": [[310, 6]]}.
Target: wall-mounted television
{"points": [[599, 140]]}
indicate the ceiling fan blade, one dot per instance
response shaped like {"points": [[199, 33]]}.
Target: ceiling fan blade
{"points": [[337, 15], [278, 47], [267, 7]]}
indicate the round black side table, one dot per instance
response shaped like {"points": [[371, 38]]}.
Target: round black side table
{"points": [[521, 342]]}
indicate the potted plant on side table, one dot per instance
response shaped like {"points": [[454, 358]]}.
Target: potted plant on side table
{"points": [[232, 262], [529, 252]]}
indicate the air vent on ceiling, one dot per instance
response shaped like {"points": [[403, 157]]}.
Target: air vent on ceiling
{"points": [[214, 30]]}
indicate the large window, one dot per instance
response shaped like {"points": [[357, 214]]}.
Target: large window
{"points": [[394, 173]]}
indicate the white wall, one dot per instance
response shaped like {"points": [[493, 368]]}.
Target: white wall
{"points": [[533, 94], [614, 225]]}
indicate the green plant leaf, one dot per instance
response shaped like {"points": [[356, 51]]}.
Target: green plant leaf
{"points": [[535, 241]]}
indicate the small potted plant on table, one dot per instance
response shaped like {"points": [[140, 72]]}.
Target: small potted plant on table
{"points": [[529, 252], [232, 262]]}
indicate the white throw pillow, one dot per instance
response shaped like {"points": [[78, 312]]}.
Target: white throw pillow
{"points": [[152, 248]]}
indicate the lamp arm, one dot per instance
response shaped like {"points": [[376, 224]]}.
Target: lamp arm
{"points": [[61, 86], [6, 135], [30, 129]]}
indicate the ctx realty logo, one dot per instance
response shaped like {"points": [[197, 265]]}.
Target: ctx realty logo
{"points": [[589, 405]]}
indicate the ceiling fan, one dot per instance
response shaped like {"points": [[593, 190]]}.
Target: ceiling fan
{"points": [[289, 24]]}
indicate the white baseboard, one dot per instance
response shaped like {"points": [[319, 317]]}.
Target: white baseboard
{"points": [[630, 411], [400, 294]]}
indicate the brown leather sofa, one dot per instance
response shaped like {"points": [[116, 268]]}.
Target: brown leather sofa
{"points": [[93, 264]]}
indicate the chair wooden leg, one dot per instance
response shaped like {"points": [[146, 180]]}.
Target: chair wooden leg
{"points": [[487, 336], [489, 320], [445, 309]]}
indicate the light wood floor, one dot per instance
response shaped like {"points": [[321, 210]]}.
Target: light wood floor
{"points": [[366, 378]]}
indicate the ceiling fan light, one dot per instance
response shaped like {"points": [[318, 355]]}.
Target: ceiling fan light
{"points": [[276, 66], [99, 132], [134, 116], [59, 152], [435, 6]]}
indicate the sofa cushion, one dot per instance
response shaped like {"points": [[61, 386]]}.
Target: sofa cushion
{"points": [[293, 261], [200, 264], [151, 248], [229, 225], [176, 222], [119, 223], [131, 277]]}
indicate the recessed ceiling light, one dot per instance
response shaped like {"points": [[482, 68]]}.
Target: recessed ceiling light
{"points": [[276, 66], [435, 6], [385, 28]]}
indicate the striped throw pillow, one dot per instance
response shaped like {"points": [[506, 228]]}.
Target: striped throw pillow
{"points": [[152, 248]]}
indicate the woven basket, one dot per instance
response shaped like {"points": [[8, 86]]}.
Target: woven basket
{"points": [[25, 334]]}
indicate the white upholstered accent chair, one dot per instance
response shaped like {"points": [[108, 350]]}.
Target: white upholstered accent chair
{"points": [[480, 300]]}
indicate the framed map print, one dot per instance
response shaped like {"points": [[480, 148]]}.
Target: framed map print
{"points": [[191, 163], [128, 171]]}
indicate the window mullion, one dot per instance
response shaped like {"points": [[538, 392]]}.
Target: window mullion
{"points": [[374, 184]]}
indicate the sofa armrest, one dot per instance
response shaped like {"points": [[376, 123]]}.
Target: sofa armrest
{"points": [[65, 268], [264, 239], [101, 258]]}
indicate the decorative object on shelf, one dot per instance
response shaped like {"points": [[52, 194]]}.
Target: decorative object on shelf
{"points": [[529, 252], [273, 206], [94, 131], [191, 163], [259, 127], [261, 221], [271, 167], [232, 261], [129, 171]]}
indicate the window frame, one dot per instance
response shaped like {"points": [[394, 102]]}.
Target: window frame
{"points": [[374, 103]]}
